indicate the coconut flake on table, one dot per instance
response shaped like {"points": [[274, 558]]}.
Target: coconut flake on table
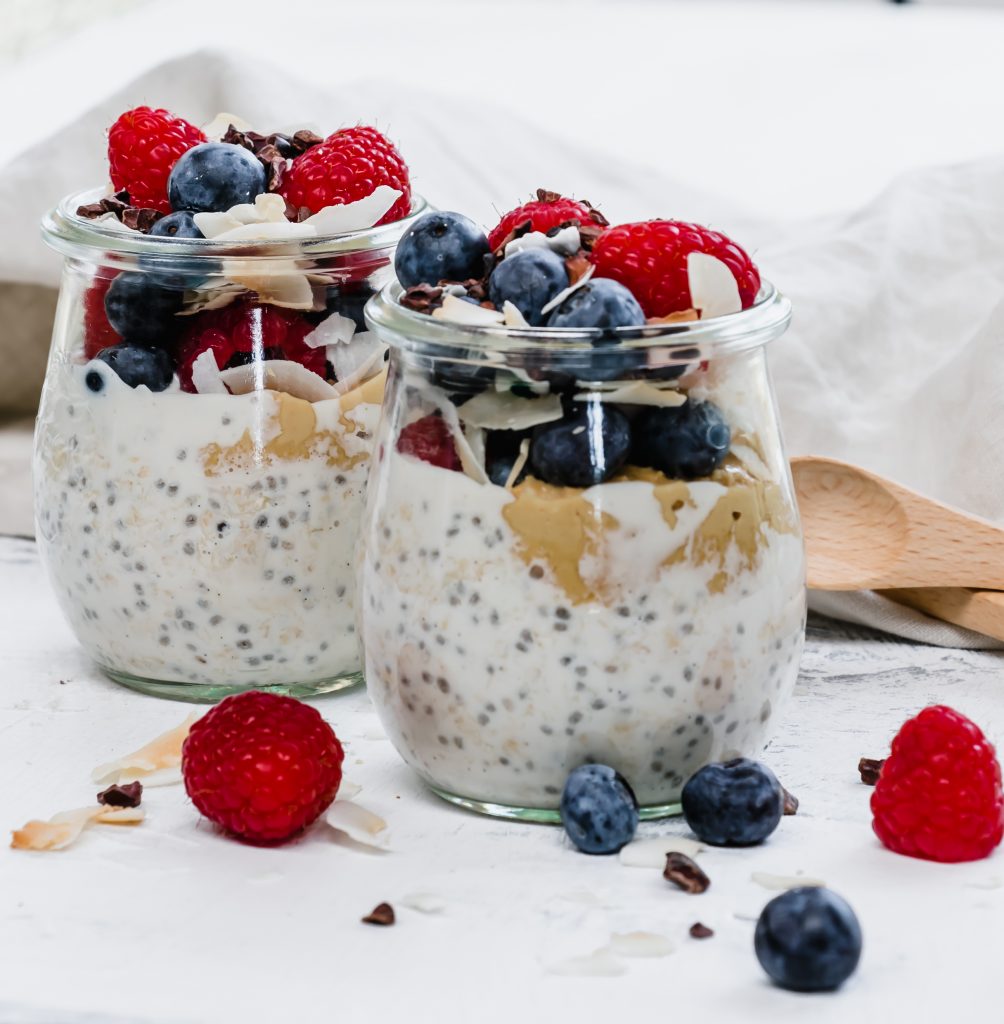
{"points": [[565, 242], [356, 360], [458, 311], [285, 375], [423, 902], [332, 330], [357, 823], [782, 882], [565, 292], [64, 828], [502, 410], [347, 789], [651, 853], [220, 125], [511, 315], [206, 374], [641, 944], [638, 392], [156, 764], [601, 963], [713, 287], [363, 213]]}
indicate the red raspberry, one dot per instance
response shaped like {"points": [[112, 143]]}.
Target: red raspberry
{"points": [[261, 766], [650, 259], [939, 793], [98, 332], [429, 439], [345, 167], [547, 211], [143, 147], [234, 331]]}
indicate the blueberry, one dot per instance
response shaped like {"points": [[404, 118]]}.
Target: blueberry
{"points": [[684, 442], [600, 302], [529, 280], [135, 365], [462, 380], [502, 449], [440, 247], [598, 809], [214, 176], [177, 225], [808, 940], [349, 300], [142, 310], [735, 803], [585, 448]]}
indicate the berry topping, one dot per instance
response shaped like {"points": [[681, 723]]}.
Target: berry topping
{"points": [[808, 940], [136, 365], [585, 448], [440, 247], [261, 766], [177, 225], [98, 332], [598, 303], [650, 259], [429, 439], [215, 176], [598, 809], [141, 310], [547, 211], [143, 147], [736, 803], [938, 794], [685, 441], [345, 167], [529, 280], [244, 332]]}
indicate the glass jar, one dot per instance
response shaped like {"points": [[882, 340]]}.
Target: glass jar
{"points": [[514, 629], [199, 529]]}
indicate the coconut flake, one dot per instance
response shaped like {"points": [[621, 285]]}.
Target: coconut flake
{"points": [[206, 374], [283, 375], [651, 853], [157, 763], [210, 298], [713, 287], [355, 360], [348, 789], [565, 242], [522, 457], [273, 281], [502, 410], [511, 316], [332, 330], [423, 902], [637, 392], [601, 963], [363, 213], [641, 944], [64, 828], [565, 292], [468, 458], [780, 882], [357, 823], [458, 311], [752, 461], [267, 231], [218, 127], [214, 223]]}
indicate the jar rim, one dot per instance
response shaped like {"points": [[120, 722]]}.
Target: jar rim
{"points": [[768, 318], [72, 235]]}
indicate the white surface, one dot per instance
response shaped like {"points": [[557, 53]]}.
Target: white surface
{"points": [[170, 922]]}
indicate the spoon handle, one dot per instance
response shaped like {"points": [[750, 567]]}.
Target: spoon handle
{"points": [[979, 610]]}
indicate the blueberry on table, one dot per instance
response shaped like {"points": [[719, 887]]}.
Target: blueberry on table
{"points": [[529, 280], [808, 940], [735, 803], [214, 176], [177, 225], [598, 809], [136, 365], [585, 448], [600, 302], [440, 246], [685, 441], [142, 310]]}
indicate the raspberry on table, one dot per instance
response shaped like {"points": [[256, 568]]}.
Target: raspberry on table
{"points": [[345, 167], [547, 211], [650, 259], [143, 147], [261, 766], [429, 439], [939, 794]]}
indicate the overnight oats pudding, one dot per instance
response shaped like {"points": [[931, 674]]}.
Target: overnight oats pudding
{"points": [[581, 543], [211, 399]]}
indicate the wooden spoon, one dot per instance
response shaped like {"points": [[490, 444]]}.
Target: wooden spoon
{"points": [[979, 610], [863, 532]]}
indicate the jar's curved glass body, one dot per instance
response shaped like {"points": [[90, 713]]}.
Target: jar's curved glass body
{"points": [[514, 630], [203, 543]]}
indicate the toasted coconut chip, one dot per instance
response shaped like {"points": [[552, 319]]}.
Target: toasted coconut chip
{"points": [[215, 223], [637, 392], [651, 853], [601, 963], [681, 316], [151, 764], [218, 127], [769, 881], [565, 292], [565, 242], [332, 330], [357, 216], [268, 208], [641, 944], [274, 282], [121, 816], [355, 360], [283, 375], [358, 823], [511, 316], [423, 902], [469, 461], [458, 311], [210, 298], [206, 374], [267, 231], [65, 828], [502, 410], [522, 457], [713, 287]]}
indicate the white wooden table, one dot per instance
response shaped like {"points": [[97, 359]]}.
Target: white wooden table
{"points": [[171, 922]]}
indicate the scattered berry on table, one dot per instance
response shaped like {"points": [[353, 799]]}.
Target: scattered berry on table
{"points": [[938, 794], [141, 310], [143, 147], [650, 259], [429, 439], [214, 176], [529, 280], [808, 940], [136, 365], [440, 246], [598, 809], [345, 167], [544, 213], [98, 332], [261, 766], [685, 441], [585, 448], [177, 225], [734, 803], [600, 302]]}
